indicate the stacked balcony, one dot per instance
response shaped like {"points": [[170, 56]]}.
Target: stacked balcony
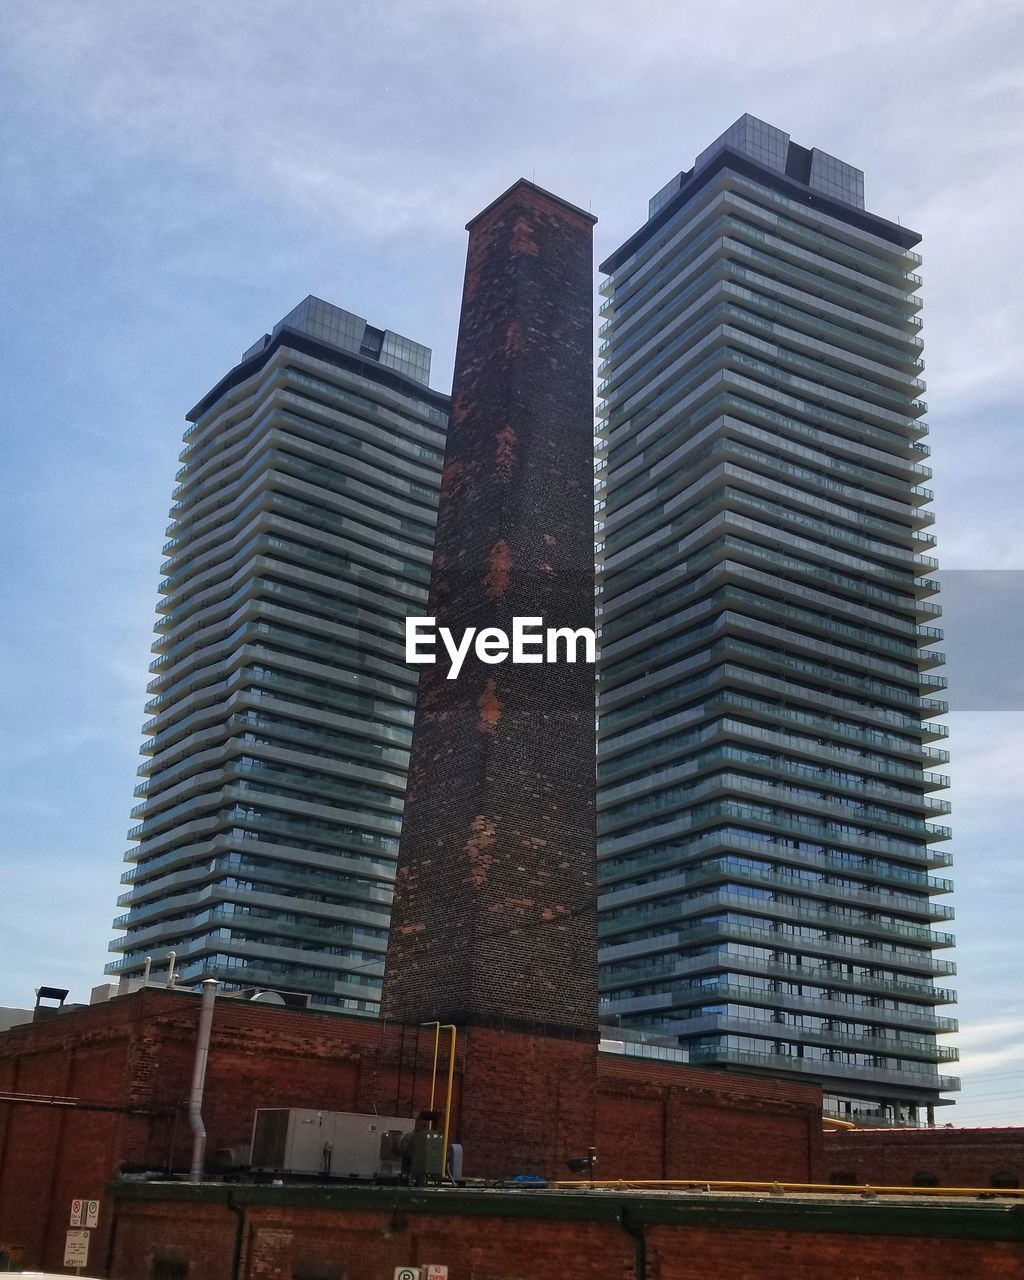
{"points": [[768, 659], [274, 768]]}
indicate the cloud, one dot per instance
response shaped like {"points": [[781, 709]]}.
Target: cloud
{"points": [[180, 175]]}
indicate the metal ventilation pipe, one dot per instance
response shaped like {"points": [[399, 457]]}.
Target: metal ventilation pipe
{"points": [[172, 957], [195, 1100]]}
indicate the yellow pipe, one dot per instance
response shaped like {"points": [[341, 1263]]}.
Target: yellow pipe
{"points": [[437, 1040], [691, 1183], [449, 1026], [839, 1124]]}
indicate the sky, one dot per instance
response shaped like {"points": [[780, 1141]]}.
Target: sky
{"points": [[175, 178]]}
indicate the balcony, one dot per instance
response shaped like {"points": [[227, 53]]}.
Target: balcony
{"points": [[638, 973], [775, 912], [729, 871], [877, 768], [680, 800], [663, 1002], [913, 1047], [724, 930], [924, 1078], [611, 870]]}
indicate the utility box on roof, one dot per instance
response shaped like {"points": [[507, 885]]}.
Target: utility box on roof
{"points": [[338, 1144]]}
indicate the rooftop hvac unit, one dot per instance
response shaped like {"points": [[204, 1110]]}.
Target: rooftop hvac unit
{"points": [[338, 1144]]}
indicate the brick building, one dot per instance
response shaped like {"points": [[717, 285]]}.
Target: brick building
{"points": [[927, 1157], [345, 1234], [103, 1090]]}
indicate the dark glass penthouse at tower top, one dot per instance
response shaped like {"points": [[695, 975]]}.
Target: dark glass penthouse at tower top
{"points": [[767, 856]]}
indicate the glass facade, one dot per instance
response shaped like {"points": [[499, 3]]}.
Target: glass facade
{"points": [[767, 843], [274, 769]]}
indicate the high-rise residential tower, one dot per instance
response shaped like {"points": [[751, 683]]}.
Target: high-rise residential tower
{"points": [[766, 856], [275, 766]]}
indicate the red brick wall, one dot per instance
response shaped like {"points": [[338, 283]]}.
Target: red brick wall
{"points": [[154, 1232], [138, 1052], [632, 1140], [955, 1157], [290, 1242], [657, 1120], [695, 1254], [521, 1103], [282, 1244], [50, 1155], [528, 1103]]}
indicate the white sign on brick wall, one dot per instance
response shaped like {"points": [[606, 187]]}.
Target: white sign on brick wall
{"points": [[76, 1249]]}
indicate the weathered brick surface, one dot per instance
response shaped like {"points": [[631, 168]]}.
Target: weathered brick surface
{"points": [[528, 1103], [296, 1240], [205, 1240], [950, 1157], [696, 1254], [495, 903], [655, 1120], [522, 1103], [483, 1250], [137, 1053]]}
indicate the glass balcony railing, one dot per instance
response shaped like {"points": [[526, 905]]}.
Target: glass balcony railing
{"points": [[656, 970], [729, 700], [894, 312], [729, 841], [727, 236], [828, 757], [667, 558], [664, 997], [643, 701], [856, 953], [920, 1077], [738, 410], [910, 1050], [834, 834], [730, 451], [272, 925], [681, 795], [772, 909], [856, 687], [656, 519], [863, 479], [777, 603], [820, 262], [825, 779], [160, 894], [727, 870], [759, 195]]}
